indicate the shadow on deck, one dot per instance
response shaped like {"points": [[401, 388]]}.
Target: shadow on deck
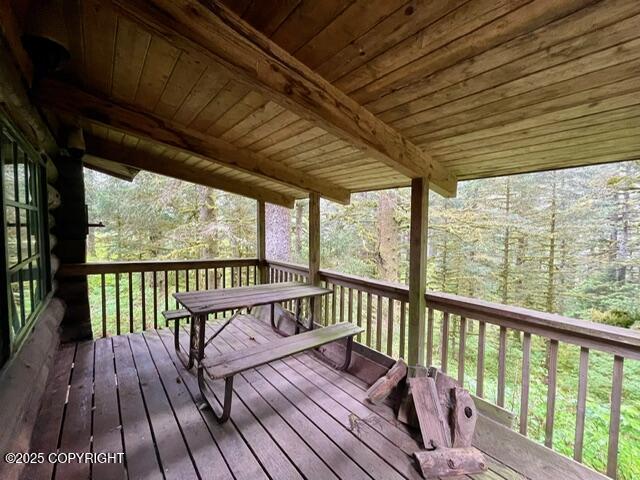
{"points": [[295, 418]]}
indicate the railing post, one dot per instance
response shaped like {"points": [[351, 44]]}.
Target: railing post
{"points": [[261, 250], [314, 251], [417, 269]]}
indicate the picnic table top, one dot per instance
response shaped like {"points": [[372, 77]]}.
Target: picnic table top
{"points": [[210, 301]]}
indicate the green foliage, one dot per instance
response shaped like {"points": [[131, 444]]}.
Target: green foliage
{"points": [[566, 242]]}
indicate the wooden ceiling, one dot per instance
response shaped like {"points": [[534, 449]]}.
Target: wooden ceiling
{"points": [[482, 87]]}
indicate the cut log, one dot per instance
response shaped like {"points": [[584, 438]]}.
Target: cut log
{"points": [[463, 418], [444, 462], [433, 420], [382, 388]]}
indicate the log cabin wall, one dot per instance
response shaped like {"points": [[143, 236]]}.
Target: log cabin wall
{"points": [[71, 232], [27, 361]]}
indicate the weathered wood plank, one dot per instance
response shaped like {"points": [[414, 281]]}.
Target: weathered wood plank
{"points": [[77, 429], [106, 416], [614, 419], [137, 433], [170, 445], [581, 405]]}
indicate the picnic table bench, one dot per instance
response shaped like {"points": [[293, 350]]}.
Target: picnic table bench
{"points": [[198, 305]]}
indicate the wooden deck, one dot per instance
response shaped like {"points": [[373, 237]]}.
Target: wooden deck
{"points": [[295, 418]]}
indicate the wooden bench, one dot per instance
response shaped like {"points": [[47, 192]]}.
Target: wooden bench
{"points": [[228, 365]]}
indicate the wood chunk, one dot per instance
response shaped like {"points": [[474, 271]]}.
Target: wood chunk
{"points": [[433, 421], [463, 418], [444, 462], [385, 384]]}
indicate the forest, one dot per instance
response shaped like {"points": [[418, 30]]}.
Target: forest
{"points": [[563, 241]]}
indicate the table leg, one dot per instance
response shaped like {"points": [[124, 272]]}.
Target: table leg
{"points": [[186, 360]]}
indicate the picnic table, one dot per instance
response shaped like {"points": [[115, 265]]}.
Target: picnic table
{"points": [[200, 304]]}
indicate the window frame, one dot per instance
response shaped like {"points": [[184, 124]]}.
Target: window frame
{"points": [[35, 205]]}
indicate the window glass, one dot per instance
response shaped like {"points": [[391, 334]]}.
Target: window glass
{"points": [[23, 222], [11, 236]]}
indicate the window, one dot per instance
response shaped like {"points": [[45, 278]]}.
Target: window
{"points": [[24, 222]]}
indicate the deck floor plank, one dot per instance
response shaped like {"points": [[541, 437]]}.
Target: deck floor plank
{"points": [[47, 428], [107, 436], [363, 444], [140, 452], [237, 454], [174, 455], [267, 452], [76, 430], [291, 419], [300, 441], [204, 449]]}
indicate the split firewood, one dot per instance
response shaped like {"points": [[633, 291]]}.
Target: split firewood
{"points": [[444, 462], [383, 387], [432, 419]]}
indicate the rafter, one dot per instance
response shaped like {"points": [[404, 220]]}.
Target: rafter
{"points": [[250, 57], [155, 163], [127, 118]]}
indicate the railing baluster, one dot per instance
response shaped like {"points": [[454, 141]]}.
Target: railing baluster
{"points": [[177, 289], [461, 348], [614, 419], [581, 407], [334, 304], [325, 301], [369, 317], [104, 306], [186, 281], [166, 293], [130, 302], [341, 303], [197, 279], [551, 392], [390, 328], [117, 304], [502, 356], [379, 324], [359, 313], [350, 301], [143, 301], [224, 277], [444, 344], [403, 327], [482, 329], [206, 279], [524, 393], [429, 337], [155, 300]]}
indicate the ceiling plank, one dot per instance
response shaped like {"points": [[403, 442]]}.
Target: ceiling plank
{"points": [[250, 57], [155, 163], [71, 100]]}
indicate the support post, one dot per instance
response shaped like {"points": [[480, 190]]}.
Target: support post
{"points": [[314, 252], [418, 269], [261, 250]]}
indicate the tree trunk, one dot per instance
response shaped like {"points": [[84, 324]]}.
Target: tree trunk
{"points": [[299, 211], [550, 304], [504, 274], [207, 217], [387, 258], [278, 232]]}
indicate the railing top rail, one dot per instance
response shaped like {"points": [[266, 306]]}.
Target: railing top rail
{"points": [[92, 268], [617, 340]]}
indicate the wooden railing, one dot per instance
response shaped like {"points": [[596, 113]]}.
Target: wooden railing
{"points": [[130, 296], [498, 332], [492, 349]]}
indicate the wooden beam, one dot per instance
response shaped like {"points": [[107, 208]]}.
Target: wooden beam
{"points": [[216, 32], [71, 100], [261, 247], [314, 251], [417, 269], [115, 152]]}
